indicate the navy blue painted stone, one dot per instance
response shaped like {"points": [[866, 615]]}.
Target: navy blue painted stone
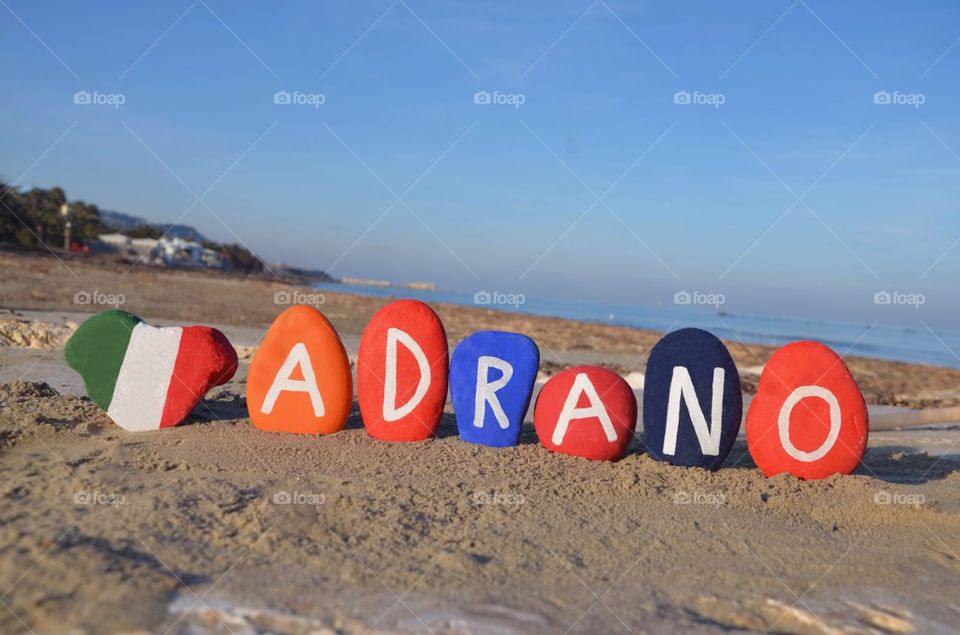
{"points": [[490, 411], [692, 404]]}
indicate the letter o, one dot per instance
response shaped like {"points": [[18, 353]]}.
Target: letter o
{"points": [[783, 422]]}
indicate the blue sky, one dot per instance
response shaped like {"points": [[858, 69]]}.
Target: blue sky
{"points": [[797, 195]]}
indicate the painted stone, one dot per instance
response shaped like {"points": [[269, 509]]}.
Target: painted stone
{"points": [[300, 378], [586, 411], [692, 404], [808, 417], [402, 372], [148, 377], [492, 374]]}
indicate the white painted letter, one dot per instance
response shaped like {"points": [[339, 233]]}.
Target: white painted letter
{"points": [[783, 423], [487, 390], [297, 356], [681, 387], [583, 385], [390, 410]]}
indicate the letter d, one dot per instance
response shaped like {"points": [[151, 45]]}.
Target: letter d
{"points": [[391, 412]]}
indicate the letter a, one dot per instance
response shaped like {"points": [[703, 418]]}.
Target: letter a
{"points": [[390, 410], [298, 356], [583, 386], [487, 390], [681, 388]]}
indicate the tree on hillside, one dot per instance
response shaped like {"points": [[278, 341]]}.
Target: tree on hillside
{"points": [[43, 207], [86, 221], [239, 258], [11, 208], [29, 218]]}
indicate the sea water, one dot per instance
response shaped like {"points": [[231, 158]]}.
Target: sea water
{"points": [[940, 347]]}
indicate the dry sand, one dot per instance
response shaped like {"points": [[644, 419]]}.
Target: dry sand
{"points": [[103, 530], [215, 527]]}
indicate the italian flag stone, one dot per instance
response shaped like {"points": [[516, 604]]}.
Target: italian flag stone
{"points": [[148, 377]]}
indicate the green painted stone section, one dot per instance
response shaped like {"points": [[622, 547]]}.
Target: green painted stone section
{"points": [[96, 351]]}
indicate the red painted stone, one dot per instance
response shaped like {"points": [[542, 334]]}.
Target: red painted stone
{"points": [[402, 372], [808, 417], [206, 358], [586, 411]]}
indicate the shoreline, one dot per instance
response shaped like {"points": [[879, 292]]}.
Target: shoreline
{"points": [[716, 322], [189, 297]]}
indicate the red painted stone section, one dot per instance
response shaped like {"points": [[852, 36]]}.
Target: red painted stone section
{"points": [[586, 437], [807, 364], [423, 325], [205, 359]]}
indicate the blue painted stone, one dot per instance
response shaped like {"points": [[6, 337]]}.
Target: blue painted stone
{"points": [[681, 372], [507, 364]]}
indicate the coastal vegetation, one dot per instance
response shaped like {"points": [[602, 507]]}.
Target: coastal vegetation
{"points": [[37, 218]]}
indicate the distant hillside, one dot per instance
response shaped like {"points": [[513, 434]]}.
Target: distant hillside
{"points": [[311, 274], [119, 221]]}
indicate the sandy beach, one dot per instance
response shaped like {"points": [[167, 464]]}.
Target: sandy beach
{"points": [[216, 527]]}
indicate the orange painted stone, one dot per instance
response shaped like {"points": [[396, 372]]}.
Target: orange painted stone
{"points": [[402, 372], [299, 378], [586, 411], [809, 417]]}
